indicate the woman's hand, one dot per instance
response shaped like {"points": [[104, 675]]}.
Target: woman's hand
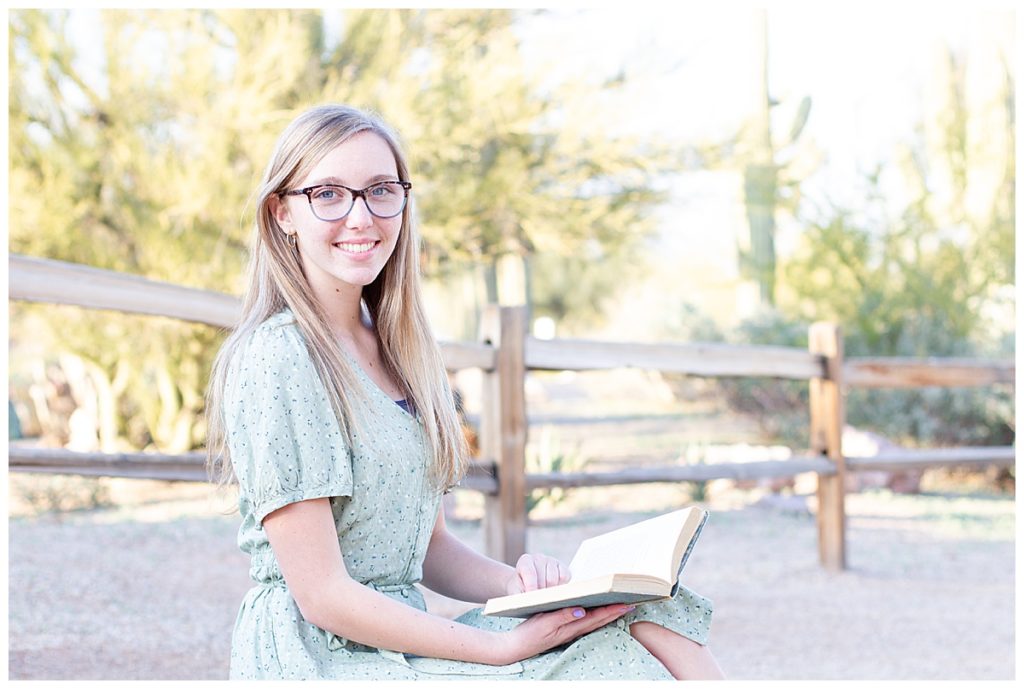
{"points": [[536, 572], [549, 629]]}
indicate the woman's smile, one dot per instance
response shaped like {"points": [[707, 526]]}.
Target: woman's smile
{"points": [[349, 252], [362, 248]]}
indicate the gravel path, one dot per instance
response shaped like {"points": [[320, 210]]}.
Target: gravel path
{"points": [[151, 591]]}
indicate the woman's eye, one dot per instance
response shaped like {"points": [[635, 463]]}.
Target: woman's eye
{"points": [[326, 194], [383, 190]]}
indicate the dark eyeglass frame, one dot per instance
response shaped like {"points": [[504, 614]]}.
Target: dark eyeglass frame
{"points": [[356, 194]]}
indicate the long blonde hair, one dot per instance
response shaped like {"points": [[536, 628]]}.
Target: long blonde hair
{"points": [[394, 301]]}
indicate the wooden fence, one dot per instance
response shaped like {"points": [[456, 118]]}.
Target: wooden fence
{"points": [[505, 353]]}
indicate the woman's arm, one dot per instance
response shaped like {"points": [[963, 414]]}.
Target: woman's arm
{"points": [[305, 543], [453, 569]]}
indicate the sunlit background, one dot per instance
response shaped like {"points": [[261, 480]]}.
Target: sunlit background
{"points": [[645, 172], [686, 174]]}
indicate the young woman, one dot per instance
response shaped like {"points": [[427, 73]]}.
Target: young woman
{"points": [[331, 402]]}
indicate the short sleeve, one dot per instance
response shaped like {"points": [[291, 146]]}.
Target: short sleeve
{"points": [[284, 439]]}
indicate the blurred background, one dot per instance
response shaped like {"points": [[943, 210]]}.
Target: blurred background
{"points": [[652, 174], [698, 175]]}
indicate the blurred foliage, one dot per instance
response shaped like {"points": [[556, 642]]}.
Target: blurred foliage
{"points": [[39, 493], [912, 418], [547, 456], [145, 162], [695, 454], [507, 168], [96, 380], [926, 276], [915, 277], [778, 405]]}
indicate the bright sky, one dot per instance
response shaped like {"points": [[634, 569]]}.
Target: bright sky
{"points": [[867, 67], [863, 64], [864, 67]]}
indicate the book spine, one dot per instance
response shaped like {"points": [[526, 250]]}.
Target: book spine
{"points": [[689, 548]]}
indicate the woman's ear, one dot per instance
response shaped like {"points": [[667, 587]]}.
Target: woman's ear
{"points": [[279, 209]]}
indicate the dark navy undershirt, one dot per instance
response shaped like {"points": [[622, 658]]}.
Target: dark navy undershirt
{"points": [[404, 404]]}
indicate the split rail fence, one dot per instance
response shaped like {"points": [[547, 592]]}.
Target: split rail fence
{"points": [[505, 353]]}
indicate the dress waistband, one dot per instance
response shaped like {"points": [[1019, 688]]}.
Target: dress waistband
{"points": [[383, 588], [404, 593], [403, 589]]}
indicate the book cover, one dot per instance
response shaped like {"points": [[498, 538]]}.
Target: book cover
{"points": [[634, 564]]}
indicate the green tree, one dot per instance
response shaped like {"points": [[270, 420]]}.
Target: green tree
{"points": [[919, 278], [506, 169], [914, 279], [145, 165], [773, 166], [913, 270]]}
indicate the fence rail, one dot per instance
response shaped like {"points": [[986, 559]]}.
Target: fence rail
{"points": [[505, 353], [57, 282], [43, 280], [865, 372], [188, 466], [184, 467], [693, 359], [739, 471], [901, 460]]}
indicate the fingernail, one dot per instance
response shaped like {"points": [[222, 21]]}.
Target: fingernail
{"points": [[629, 608], [578, 612]]}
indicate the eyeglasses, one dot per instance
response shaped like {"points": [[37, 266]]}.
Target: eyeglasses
{"points": [[331, 202]]}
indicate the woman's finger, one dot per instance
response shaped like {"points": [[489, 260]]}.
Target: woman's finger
{"points": [[582, 619], [562, 626], [563, 573], [527, 571], [551, 576], [573, 626], [570, 615]]}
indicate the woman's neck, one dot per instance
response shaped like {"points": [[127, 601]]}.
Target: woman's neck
{"points": [[343, 307]]}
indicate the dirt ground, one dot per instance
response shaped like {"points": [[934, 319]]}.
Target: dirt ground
{"points": [[150, 590]]}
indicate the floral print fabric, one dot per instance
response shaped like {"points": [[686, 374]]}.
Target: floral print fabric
{"points": [[286, 446]]}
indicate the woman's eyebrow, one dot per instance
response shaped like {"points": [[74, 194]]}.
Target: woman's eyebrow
{"points": [[337, 180]]}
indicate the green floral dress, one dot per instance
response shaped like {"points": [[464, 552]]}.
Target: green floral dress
{"points": [[286, 446]]}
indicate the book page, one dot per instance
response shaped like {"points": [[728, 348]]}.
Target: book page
{"points": [[644, 548], [589, 593]]}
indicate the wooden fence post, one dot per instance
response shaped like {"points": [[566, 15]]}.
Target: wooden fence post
{"points": [[827, 419], [503, 432]]}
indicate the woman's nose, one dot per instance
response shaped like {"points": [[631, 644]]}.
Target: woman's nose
{"points": [[360, 215]]}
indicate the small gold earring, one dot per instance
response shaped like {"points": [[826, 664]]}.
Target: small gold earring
{"points": [[292, 241]]}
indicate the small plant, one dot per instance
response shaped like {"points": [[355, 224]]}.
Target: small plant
{"points": [[60, 493], [548, 457], [695, 454]]}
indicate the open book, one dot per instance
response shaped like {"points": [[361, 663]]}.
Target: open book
{"points": [[637, 563]]}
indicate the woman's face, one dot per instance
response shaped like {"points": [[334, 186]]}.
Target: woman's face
{"points": [[343, 255]]}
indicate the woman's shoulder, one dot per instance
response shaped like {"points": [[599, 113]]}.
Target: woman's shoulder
{"points": [[276, 340], [270, 358], [281, 322], [277, 330]]}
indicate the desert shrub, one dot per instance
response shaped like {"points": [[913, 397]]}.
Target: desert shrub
{"points": [[39, 493], [779, 406], [550, 456], [914, 417], [935, 416]]}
